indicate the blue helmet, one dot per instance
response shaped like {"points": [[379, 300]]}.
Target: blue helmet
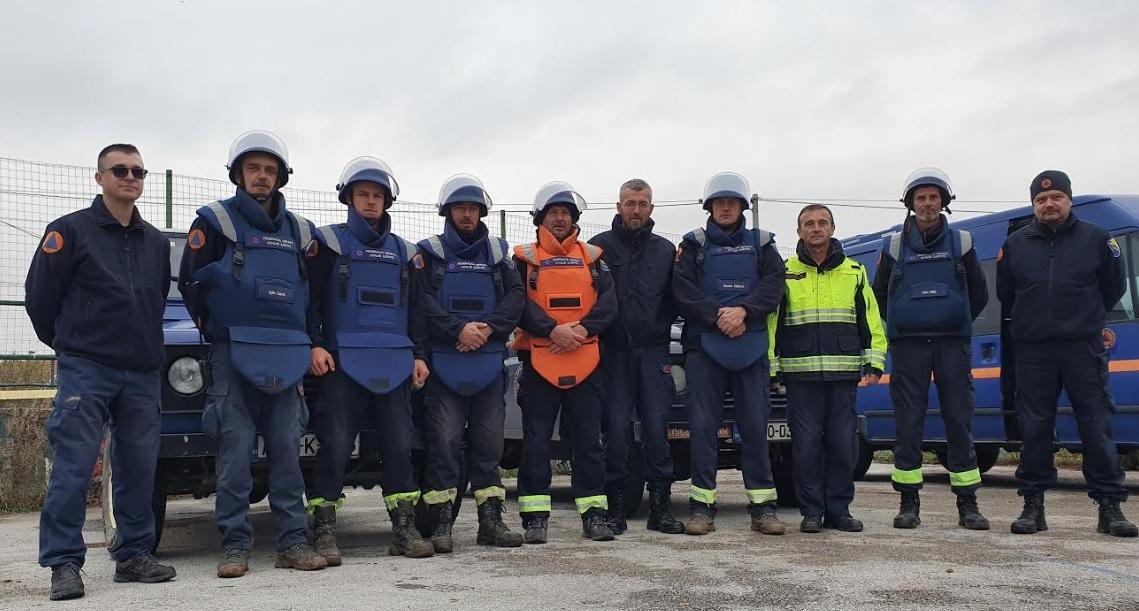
{"points": [[463, 188], [727, 184], [372, 170], [259, 141], [557, 193], [927, 177]]}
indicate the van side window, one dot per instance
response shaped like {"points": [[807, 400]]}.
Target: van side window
{"points": [[989, 322], [1125, 309]]}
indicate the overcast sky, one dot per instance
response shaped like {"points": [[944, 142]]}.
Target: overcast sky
{"points": [[807, 99]]}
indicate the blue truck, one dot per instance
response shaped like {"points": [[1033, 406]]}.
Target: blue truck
{"points": [[995, 425]]}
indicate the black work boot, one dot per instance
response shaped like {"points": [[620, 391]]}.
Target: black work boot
{"points": [[701, 518], [66, 582], [407, 542], [324, 534], [594, 525], [909, 512], [143, 568], [660, 514], [535, 529], [441, 518], [1031, 520], [615, 516], [968, 514], [492, 530], [1111, 520]]}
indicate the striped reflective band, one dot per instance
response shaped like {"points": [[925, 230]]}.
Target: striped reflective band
{"points": [[438, 497], [971, 477], [875, 358], [535, 502], [703, 495], [822, 362], [807, 317], [913, 476], [392, 500], [491, 492], [586, 503], [761, 496]]}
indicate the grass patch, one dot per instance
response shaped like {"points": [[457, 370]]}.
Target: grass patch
{"points": [[29, 373], [23, 442]]}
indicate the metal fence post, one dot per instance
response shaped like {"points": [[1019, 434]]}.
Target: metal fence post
{"points": [[169, 199], [502, 224], [755, 211]]}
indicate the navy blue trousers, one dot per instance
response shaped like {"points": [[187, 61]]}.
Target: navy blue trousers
{"points": [[637, 381], [91, 396], [449, 417], [824, 446]]}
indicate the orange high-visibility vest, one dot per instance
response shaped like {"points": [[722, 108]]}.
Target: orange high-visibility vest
{"points": [[561, 281]]}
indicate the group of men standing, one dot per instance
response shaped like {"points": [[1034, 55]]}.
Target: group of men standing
{"points": [[373, 316]]}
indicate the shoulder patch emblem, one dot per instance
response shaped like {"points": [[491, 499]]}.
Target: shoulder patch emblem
{"points": [[417, 261], [196, 240], [1114, 246], [53, 242], [795, 275]]}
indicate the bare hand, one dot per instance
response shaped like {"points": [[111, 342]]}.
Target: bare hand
{"points": [[730, 321], [565, 338], [870, 378], [419, 374], [471, 337], [322, 362]]}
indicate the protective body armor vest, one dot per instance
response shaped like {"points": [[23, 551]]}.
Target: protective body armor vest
{"points": [[257, 294], [928, 295], [366, 307], [468, 284]]}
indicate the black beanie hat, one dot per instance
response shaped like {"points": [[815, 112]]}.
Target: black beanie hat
{"points": [[1050, 180]]}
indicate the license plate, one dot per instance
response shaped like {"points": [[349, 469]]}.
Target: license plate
{"points": [[776, 431], [309, 446]]}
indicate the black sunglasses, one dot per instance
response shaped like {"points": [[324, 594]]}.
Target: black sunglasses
{"points": [[120, 171]]}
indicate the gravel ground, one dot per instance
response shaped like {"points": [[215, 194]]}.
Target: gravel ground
{"points": [[937, 566]]}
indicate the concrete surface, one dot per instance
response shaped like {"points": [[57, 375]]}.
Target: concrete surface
{"points": [[937, 566]]}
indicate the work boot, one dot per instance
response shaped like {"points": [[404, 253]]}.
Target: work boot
{"points": [[234, 563], [301, 557], [968, 515], [846, 523], [701, 518], [407, 542], [441, 527], [143, 568], [909, 513], [492, 530], [66, 582], [1031, 520], [1111, 520], [615, 516], [324, 534], [594, 525], [660, 514], [810, 524], [535, 529], [764, 520]]}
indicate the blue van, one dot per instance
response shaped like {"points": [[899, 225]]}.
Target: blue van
{"points": [[994, 422]]}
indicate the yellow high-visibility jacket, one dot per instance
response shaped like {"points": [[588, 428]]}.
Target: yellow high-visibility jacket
{"points": [[827, 328]]}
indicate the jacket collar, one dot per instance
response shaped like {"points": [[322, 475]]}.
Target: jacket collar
{"points": [[103, 215], [632, 235], [253, 212], [550, 244], [454, 243], [1045, 230], [362, 230], [720, 237], [835, 255]]}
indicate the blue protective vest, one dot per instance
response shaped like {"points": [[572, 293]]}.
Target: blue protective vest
{"points": [[257, 294], [928, 295], [366, 307], [468, 285], [727, 267]]}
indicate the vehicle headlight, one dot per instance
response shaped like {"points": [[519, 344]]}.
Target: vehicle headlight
{"points": [[185, 375], [679, 378]]}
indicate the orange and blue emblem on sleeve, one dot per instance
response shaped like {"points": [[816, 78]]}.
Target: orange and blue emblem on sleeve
{"points": [[53, 242], [196, 240]]}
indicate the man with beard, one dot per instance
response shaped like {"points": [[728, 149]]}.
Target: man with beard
{"points": [[726, 282], [362, 320], [636, 359], [826, 337], [242, 278], [472, 299], [930, 289], [570, 301]]}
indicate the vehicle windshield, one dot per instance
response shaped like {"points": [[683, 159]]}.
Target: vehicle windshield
{"points": [[177, 244]]}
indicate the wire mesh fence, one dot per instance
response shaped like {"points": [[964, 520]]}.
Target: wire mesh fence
{"points": [[33, 194]]}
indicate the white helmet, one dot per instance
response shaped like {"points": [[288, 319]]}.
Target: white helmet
{"points": [[463, 188], [370, 169], [927, 177], [727, 184], [259, 141], [560, 193]]}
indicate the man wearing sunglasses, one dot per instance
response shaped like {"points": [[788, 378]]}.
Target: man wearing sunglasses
{"points": [[95, 293]]}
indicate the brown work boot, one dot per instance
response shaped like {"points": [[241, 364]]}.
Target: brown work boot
{"points": [[701, 519], [407, 542], [234, 563], [301, 557], [324, 534], [764, 520]]}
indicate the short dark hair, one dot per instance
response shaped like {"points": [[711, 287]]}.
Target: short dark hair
{"points": [[810, 207], [129, 149], [635, 184]]}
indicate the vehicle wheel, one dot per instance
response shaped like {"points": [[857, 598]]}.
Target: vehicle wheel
{"points": [[865, 458], [781, 473], [110, 528], [634, 491], [987, 455]]}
